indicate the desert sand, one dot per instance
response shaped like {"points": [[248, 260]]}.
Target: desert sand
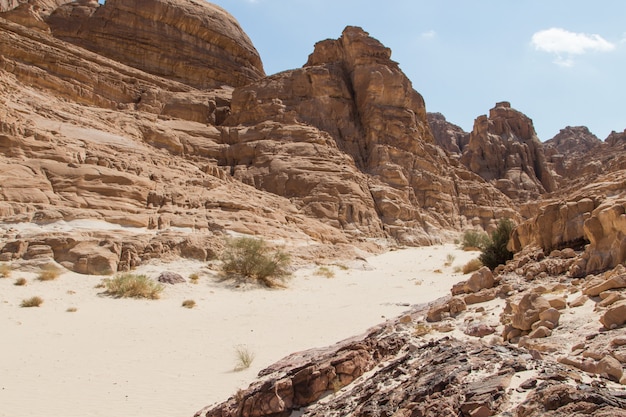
{"points": [[139, 358]]}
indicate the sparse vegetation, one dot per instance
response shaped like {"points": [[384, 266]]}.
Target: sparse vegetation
{"points": [[325, 271], [72, 310], [471, 266], [5, 270], [132, 286], [194, 278], [49, 272], [245, 357], [32, 302], [449, 259], [474, 240], [189, 303], [20, 282], [422, 329], [253, 259], [495, 252]]}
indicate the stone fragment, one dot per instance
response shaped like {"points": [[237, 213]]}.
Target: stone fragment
{"points": [[171, 278], [480, 280], [615, 316], [540, 332], [560, 303], [610, 367], [526, 311], [551, 315]]}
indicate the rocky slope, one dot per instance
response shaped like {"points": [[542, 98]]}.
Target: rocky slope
{"points": [[521, 343]]}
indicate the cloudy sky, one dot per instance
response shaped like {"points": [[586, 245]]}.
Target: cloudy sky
{"points": [[561, 62]]}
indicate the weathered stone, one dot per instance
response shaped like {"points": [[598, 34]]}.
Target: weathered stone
{"points": [[540, 332], [611, 367], [481, 279], [615, 316], [171, 278], [192, 42], [527, 310], [504, 149]]}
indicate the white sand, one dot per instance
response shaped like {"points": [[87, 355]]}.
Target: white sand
{"points": [[140, 358]]}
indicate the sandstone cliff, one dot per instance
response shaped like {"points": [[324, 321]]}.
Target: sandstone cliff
{"points": [[192, 42], [447, 135], [365, 120]]}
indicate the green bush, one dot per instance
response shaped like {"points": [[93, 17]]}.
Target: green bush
{"points": [[253, 259], [474, 240], [496, 253], [132, 286]]}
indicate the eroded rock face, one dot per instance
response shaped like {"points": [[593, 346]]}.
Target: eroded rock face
{"points": [[193, 42], [371, 126], [504, 150], [447, 135], [600, 223]]}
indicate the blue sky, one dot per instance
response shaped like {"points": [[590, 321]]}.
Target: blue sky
{"points": [[561, 62]]}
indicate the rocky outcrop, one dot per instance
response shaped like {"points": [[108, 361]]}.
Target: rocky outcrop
{"points": [[447, 135], [400, 369], [192, 42], [504, 150], [598, 224], [353, 117], [572, 140]]}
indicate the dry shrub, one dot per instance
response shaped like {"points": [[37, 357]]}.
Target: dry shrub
{"points": [[49, 273], [474, 240], [471, 266], [5, 270], [189, 303], [20, 282], [253, 259], [132, 286], [32, 302], [324, 271], [244, 357]]}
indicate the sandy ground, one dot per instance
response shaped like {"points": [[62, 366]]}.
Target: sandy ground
{"points": [[140, 358]]}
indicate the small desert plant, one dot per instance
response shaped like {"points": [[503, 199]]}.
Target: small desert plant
{"points": [[325, 271], [132, 286], [32, 302], [20, 282], [244, 358], [449, 259], [495, 252], [189, 303], [194, 278], [72, 310], [5, 270], [474, 240], [48, 273], [422, 329], [471, 266], [251, 258]]}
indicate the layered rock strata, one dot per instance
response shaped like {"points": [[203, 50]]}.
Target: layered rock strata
{"points": [[193, 42], [366, 122]]}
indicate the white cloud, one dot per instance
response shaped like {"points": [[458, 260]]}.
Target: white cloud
{"points": [[561, 41], [565, 44], [428, 35]]}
